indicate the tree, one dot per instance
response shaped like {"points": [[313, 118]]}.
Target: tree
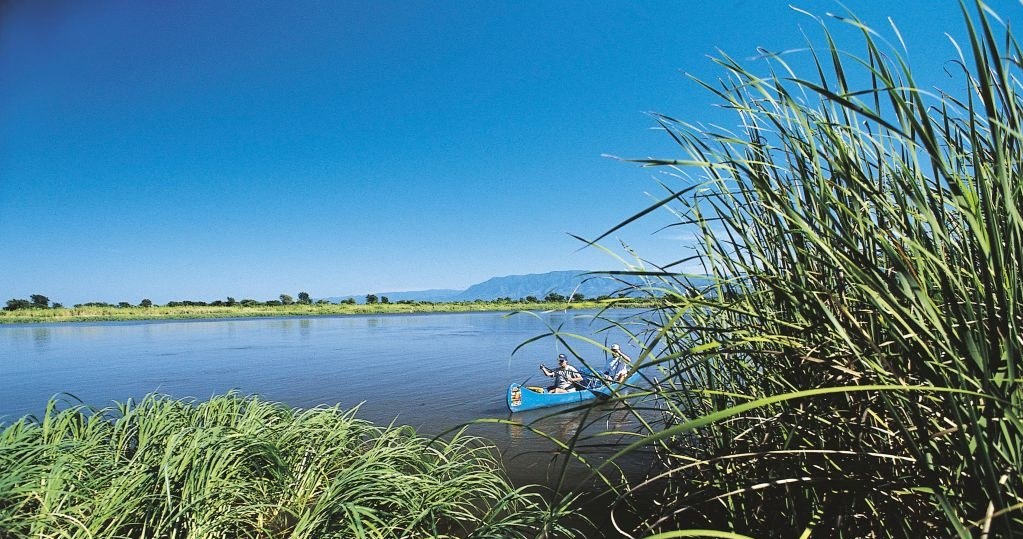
{"points": [[286, 299], [40, 301], [15, 304], [371, 299], [231, 302], [58, 305], [531, 299], [303, 298], [578, 297], [554, 297], [146, 303], [123, 305]]}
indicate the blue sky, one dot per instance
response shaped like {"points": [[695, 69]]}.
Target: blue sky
{"points": [[176, 150]]}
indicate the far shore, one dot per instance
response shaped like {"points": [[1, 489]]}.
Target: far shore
{"points": [[101, 314]]}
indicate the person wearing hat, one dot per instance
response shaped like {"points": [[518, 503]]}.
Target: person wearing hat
{"points": [[565, 376], [617, 365]]}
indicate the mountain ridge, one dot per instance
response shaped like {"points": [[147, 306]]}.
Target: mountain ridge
{"points": [[538, 285]]}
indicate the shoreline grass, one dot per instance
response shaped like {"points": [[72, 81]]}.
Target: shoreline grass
{"points": [[237, 466], [109, 314]]}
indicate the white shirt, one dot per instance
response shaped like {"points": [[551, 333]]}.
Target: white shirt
{"points": [[617, 366]]}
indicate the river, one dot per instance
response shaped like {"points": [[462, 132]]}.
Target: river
{"points": [[430, 371]]}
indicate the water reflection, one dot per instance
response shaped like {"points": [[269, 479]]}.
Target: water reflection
{"points": [[41, 336], [620, 418], [564, 448]]}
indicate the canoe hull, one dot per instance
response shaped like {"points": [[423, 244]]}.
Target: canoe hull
{"points": [[521, 398]]}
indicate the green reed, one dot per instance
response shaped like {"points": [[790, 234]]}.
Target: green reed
{"points": [[852, 369], [241, 467]]}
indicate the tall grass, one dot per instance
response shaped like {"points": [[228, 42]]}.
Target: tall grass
{"points": [[854, 369], [237, 466]]}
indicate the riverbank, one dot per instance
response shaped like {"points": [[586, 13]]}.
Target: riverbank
{"points": [[245, 467], [98, 314]]}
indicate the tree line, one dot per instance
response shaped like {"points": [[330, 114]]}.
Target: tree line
{"points": [[39, 301], [35, 301]]}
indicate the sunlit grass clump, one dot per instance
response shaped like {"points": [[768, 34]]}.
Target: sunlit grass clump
{"points": [[855, 369], [238, 466]]}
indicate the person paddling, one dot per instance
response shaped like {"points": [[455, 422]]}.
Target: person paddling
{"points": [[618, 364], [565, 376]]}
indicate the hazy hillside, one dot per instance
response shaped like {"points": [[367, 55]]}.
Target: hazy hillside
{"points": [[415, 295], [538, 285]]}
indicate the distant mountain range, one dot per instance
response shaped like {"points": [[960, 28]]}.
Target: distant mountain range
{"points": [[565, 283]]}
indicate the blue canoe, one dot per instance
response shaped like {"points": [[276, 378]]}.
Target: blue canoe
{"points": [[532, 397]]}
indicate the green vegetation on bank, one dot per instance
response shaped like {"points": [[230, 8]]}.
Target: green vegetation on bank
{"points": [[87, 313], [855, 368], [238, 466]]}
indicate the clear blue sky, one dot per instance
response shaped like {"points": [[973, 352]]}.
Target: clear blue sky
{"points": [[198, 150]]}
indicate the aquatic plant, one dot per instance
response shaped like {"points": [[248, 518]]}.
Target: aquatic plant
{"points": [[237, 466], [854, 367]]}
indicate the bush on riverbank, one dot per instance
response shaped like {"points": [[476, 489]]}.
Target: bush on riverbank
{"points": [[854, 371], [242, 467]]}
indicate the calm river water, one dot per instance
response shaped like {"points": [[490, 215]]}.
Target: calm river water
{"points": [[431, 371]]}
